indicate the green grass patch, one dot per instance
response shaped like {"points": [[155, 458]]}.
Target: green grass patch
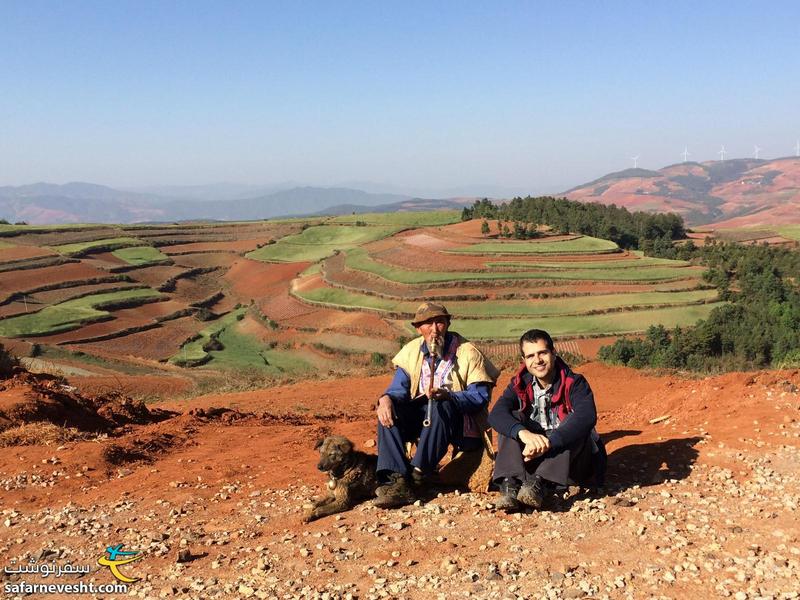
{"points": [[316, 243], [50, 228], [540, 308], [582, 245], [246, 352], [405, 219], [73, 314], [312, 270], [596, 264], [141, 255], [5, 244], [109, 243], [358, 259], [603, 324], [192, 352], [791, 232]]}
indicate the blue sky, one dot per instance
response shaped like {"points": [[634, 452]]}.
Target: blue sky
{"points": [[531, 96]]}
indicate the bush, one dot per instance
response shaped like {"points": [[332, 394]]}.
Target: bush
{"points": [[7, 362], [377, 359]]}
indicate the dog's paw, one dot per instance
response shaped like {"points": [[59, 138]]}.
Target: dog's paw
{"points": [[310, 515]]}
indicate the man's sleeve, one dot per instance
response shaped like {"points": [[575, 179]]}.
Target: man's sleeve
{"points": [[501, 418], [474, 398], [399, 389], [579, 423]]}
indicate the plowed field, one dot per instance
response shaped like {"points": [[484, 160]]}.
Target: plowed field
{"points": [[18, 281]]}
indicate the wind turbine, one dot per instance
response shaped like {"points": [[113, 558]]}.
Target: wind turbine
{"points": [[756, 150], [722, 153], [635, 160], [686, 153]]}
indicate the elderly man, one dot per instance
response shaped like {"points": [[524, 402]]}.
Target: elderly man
{"points": [[441, 380], [545, 418]]}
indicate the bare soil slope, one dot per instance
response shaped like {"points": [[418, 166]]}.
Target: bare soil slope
{"points": [[702, 499]]}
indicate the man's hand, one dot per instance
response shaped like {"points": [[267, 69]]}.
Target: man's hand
{"points": [[385, 416], [535, 444], [440, 395]]}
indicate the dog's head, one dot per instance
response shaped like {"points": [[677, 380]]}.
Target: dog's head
{"points": [[335, 453]]}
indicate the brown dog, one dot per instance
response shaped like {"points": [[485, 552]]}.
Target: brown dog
{"points": [[352, 476]]}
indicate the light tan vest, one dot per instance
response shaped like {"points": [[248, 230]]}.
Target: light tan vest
{"points": [[470, 365]]}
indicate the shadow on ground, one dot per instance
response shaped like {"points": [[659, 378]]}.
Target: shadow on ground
{"points": [[651, 463]]}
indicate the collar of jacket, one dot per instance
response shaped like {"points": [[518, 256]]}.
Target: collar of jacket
{"points": [[522, 383]]}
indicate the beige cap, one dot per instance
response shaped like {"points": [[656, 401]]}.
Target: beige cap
{"points": [[429, 310]]}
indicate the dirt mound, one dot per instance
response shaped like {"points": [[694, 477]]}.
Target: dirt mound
{"points": [[28, 398]]}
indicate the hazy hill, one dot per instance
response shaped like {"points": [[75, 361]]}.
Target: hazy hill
{"points": [[731, 192], [44, 203]]}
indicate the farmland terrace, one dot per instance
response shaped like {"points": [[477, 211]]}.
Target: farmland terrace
{"points": [[279, 298]]}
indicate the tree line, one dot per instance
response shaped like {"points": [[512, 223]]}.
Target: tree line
{"points": [[759, 328], [653, 233]]}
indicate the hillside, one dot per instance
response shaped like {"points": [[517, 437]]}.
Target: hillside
{"points": [[730, 193], [702, 502]]}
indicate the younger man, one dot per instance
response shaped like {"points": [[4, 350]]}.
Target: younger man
{"points": [[545, 420]]}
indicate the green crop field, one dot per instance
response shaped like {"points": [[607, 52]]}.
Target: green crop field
{"points": [[602, 324], [404, 219], [72, 314], [791, 232], [315, 243], [111, 243], [193, 351], [358, 259], [9, 228], [141, 255], [562, 306], [239, 350], [582, 245], [593, 264], [244, 351]]}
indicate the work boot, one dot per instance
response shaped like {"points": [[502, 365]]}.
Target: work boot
{"points": [[509, 488], [532, 493], [396, 493]]}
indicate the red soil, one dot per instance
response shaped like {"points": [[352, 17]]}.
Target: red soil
{"points": [[62, 294], [235, 246], [198, 287], [134, 386], [154, 344], [255, 279], [207, 259], [22, 252], [244, 482], [17, 281], [155, 276]]}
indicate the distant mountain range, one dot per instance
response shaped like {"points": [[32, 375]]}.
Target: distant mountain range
{"points": [[728, 193], [44, 203]]}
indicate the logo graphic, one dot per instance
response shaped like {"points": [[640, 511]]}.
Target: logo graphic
{"points": [[113, 562]]}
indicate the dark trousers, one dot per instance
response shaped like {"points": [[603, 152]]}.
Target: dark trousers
{"points": [[570, 466], [447, 424]]}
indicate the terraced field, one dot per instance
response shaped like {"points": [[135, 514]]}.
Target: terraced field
{"points": [[282, 297], [315, 243]]}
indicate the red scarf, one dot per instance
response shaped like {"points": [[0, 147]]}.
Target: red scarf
{"points": [[560, 400]]}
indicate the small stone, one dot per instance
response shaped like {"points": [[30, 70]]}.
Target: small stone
{"points": [[184, 555]]}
